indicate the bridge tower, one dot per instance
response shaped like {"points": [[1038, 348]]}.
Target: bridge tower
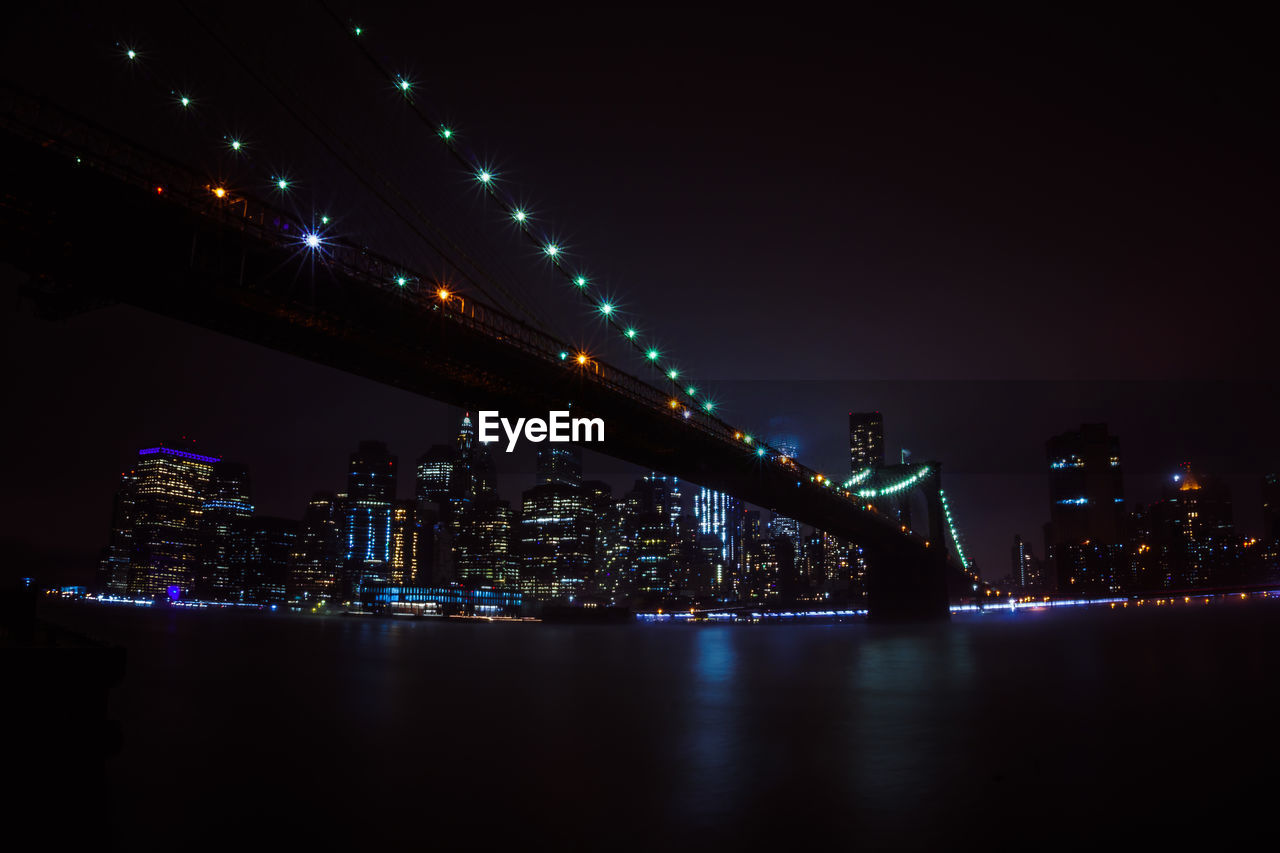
{"points": [[905, 584]]}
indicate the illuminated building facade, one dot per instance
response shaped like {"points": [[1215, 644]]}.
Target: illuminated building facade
{"points": [[318, 553], [482, 544], [227, 538], [719, 515], [1084, 538], [365, 513], [274, 541], [170, 487], [866, 441], [556, 539]]}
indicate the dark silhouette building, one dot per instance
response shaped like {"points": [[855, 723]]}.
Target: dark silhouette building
{"points": [[1084, 539]]}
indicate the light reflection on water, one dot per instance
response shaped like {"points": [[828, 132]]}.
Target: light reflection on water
{"points": [[878, 735]]}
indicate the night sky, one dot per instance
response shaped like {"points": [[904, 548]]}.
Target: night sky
{"points": [[989, 229]]}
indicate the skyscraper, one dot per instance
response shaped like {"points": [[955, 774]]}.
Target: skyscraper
{"points": [[718, 515], [866, 440], [318, 552], [365, 520], [437, 482], [170, 487], [1086, 530], [226, 537], [556, 538]]}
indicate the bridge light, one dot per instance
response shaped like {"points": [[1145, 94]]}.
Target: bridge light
{"points": [[324, 220], [708, 405], [563, 355], [220, 192], [401, 280], [358, 31], [552, 250], [282, 183], [747, 439], [444, 294], [691, 391], [131, 53], [606, 309], [236, 145], [672, 374], [631, 333], [675, 404], [184, 100], [582, 358], [759, 451], [445, 133], [402, 84], [312, 241], [484, 177], [652, 355], [519, 215], [687, 413], [581, 281]]}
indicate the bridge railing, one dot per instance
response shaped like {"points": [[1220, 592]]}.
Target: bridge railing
{"points": [[92, 146]]}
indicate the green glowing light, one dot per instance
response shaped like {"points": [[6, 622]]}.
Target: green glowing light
{"points": [[403, 84], [708, 405], [519, 215], [653, 354], [691, 391], [484, 177], [282, 183], [747, 439], [402, 281], [236, 145], [552, 250], [606, 309], [358, 31], [580, 281], [564, 355], [324, 220], [446, 132], [185, 101], [672, 374], [132, 54], [759, 451], [631, 333]]}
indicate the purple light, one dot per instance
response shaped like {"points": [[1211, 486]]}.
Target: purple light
{"points": [[182, 453], [175, 592]]}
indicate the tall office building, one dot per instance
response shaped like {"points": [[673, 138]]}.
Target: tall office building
{"points": [[227, 538], [271, 561], [556, 539], [408, 543], [365, 519], [1192, 531], [866, 440], [719, 515], [170, 486], [481, 548], [1084, 538], [438, 480], [559, 463], [117, 557], [318, 553]]}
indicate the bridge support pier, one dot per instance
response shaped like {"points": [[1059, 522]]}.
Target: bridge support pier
{"points": [[904, 584]]}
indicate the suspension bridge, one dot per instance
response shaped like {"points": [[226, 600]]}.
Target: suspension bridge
{"points": [[95, 218]]}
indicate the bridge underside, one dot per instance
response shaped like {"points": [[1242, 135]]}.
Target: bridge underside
{"points": [[87, 238]]}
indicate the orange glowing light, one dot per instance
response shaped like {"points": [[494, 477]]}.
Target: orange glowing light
{"points": [[220, 192], [444, 294]]}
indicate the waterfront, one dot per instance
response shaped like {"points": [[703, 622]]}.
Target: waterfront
{"points": [[241, 725]]}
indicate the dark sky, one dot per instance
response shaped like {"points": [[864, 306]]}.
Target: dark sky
{"points": [[989, 228]]}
